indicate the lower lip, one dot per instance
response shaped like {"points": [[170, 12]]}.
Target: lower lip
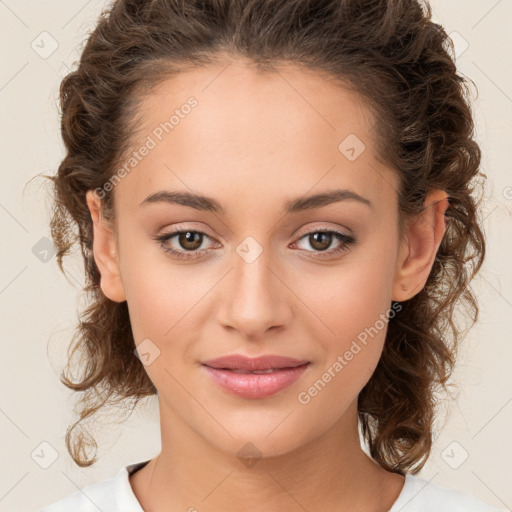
{"points": [[256, 385]]}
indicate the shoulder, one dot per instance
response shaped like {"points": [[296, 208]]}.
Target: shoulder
{"points": [[420, 495], [110, 495]]}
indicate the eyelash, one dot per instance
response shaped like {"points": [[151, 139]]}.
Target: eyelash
{"points": [[346, 240]]}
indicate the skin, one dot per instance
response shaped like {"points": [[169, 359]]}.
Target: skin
{"points": [[254, 141]]}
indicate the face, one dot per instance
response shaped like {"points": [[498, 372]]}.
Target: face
{"points": [[313, 282]]}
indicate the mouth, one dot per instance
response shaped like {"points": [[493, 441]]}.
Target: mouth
{"points": [[255, 372], [255, 383], [264, 364]]}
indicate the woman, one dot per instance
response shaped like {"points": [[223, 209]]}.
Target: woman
{"points": [[274, 208]]}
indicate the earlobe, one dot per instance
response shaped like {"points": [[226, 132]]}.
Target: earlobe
{"points": [[418, 250], [105, 252]]}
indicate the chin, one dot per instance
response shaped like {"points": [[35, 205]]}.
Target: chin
{"points": [[259, 441]]}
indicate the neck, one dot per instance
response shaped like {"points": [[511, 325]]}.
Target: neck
{"points": [[330, 472]]}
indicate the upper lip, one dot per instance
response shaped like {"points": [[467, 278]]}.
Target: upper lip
{"points": [[240, 362]]}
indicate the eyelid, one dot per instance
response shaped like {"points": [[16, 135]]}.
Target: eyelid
{"points": [[323, 227], [164, 241], [298, 234], [176, 228], [345, 242]]}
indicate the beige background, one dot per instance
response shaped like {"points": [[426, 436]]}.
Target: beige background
{"points": [[38, 303]]}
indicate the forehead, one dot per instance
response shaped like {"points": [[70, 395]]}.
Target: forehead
{"points": [[263, 134]]}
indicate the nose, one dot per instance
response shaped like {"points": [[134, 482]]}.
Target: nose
{"points": [[255, 297]]}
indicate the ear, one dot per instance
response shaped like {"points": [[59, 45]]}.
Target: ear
{"points": [[419, 247], [105, 251]]}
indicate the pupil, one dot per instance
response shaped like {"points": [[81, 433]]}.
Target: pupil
{"points": [[187, 241], [320, 244]]}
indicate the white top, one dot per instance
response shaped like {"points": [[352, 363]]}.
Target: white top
{"points": [[115, 494]]}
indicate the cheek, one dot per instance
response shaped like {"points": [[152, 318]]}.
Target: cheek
{"points": [[347, 299], [167, 305], [162, 301], [164, 308], [351, 335], [156, 293], [352, 303]]}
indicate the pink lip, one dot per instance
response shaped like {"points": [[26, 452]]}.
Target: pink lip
{"points": [[225, 372]]}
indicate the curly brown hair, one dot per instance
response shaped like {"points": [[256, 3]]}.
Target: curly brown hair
{"points": [[388, 51]]}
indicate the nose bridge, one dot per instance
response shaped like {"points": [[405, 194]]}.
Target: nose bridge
{"points": [[256, 299]]}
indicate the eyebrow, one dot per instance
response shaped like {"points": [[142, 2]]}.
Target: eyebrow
{"points": [[204, 203]]}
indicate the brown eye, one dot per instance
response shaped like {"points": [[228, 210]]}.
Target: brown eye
{"points": [[184, 244], [320, 243], [190, 240], [320, 240]]}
